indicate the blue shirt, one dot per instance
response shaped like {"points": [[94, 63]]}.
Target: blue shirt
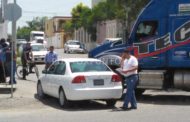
{"points": [[51, 57]]}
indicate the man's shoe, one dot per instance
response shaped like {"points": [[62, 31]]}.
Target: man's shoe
{"points": [[125, 108], [133, 107], [23, 78], [31, 72]]}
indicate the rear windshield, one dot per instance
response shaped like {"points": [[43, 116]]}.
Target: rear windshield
{"points": [[88, 66]]}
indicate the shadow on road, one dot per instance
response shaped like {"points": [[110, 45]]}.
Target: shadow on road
{"points": [[6, 90], [74, 106], [165, 99]]}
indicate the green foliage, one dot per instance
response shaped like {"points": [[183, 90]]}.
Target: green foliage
{"points": [[37, 24], [123, 10], [68, 26], [24, 33]]}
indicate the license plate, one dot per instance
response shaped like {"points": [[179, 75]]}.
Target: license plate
{"points": [[98, 82]]}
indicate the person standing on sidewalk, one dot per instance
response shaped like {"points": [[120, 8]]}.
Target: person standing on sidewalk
{"points": [[130, 67], [8, 64], [50, 57]]}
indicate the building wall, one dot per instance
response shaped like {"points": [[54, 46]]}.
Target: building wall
{"points": [[101, 32], [3, 25], [49, 28], [4, 30], [56, 41], [108, 29], [82, 35], [54, 33]]}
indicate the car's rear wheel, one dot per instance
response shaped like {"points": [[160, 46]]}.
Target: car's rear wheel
{"points": [[40, 91], [111, 103], [63, 102]]}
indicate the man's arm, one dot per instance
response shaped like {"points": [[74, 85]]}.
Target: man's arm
{"points": [[56, 56], [46, 57], [130, 70]]}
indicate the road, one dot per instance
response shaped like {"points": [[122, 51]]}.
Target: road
{"points": [[153, 106]]}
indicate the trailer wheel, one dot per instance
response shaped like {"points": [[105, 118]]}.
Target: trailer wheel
{"points": [[139, 92]]}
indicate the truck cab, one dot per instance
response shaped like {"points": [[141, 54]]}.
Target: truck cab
{"points": [[160, 39]]}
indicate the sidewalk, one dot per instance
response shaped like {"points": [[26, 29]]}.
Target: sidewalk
{"points": [[24, 96]]}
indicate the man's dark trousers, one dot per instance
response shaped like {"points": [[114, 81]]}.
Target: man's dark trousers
{"points": [[131, 82]]}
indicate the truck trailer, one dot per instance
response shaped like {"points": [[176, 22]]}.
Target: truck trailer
{"points": [[160, 39]]}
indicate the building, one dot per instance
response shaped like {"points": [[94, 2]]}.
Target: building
{"points": [[82, 35], [3, 24], [54, 31], [4, 30]]}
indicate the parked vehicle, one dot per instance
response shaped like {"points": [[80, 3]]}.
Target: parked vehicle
{"points": [[39, 52], [37, 35], [74, 46], [161, 40], [80, 79]]}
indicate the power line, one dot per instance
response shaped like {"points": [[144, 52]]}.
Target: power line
{"points": [[41, 12]]}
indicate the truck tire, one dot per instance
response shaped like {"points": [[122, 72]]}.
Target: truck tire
{"points": [[139, 92]]}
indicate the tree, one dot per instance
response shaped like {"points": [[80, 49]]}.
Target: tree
{"points": [[126, 11], [37, 24], [24, 33]]}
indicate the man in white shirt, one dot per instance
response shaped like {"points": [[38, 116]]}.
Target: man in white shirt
{"points": [[129, 69]]}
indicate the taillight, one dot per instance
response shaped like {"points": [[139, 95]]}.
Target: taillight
{"points": [[116, 78], [79, 79]]}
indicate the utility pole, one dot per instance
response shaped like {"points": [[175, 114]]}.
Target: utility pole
{"points": [[12, 50]]}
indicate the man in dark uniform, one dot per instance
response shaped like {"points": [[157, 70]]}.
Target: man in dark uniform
{"points": [[3, 47], [26, 58]]}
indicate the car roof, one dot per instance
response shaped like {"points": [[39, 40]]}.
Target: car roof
{"points": [[78, 59]]}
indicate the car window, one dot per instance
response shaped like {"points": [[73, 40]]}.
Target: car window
{"points": [[117, 43], [52, 68], [60, 68], [74, 43], [88, 66], [146, 29]]}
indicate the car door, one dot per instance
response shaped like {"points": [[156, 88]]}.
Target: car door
{"points": [[48, 77], [57, 78]]}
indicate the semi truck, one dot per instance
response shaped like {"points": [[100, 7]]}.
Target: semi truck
{"points": [[160, 39]]}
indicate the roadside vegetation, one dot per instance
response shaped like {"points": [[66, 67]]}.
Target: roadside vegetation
{"points": [[126, 11]]}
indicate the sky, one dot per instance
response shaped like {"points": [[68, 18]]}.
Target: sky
{"points": [[49, 8]]}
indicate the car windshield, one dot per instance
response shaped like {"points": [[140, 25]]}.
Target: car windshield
{"points": [[88, 66], [74, 43], [38, 48]]}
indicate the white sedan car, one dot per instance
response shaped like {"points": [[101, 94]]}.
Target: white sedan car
{"points": [[80, 79], [39, 52]]}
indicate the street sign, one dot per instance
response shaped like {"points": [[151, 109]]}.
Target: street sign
{"points": [[12, 12]]}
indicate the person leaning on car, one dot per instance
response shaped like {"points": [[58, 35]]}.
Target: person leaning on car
{"points": [[50, 57], [129, 67]]}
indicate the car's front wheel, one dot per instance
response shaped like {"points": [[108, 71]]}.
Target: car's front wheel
{"points": [[40, 91], [111, 103], [63, 102]]}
